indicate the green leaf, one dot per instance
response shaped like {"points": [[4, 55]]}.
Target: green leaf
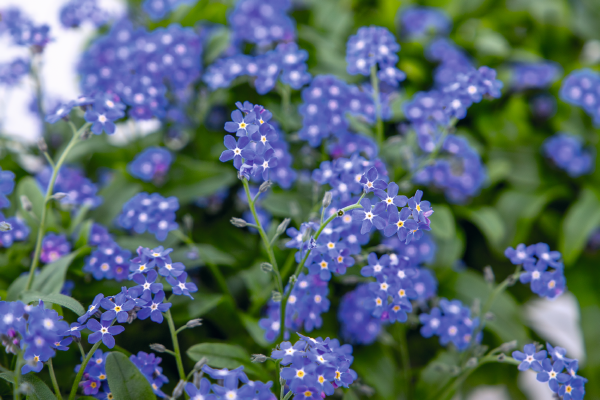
{"points": [[217, 43], [84, 233], [204, 187], [432, 378], [28, 186], [52, 277], [55, 298], [375, 365], [202, 304], [220, 355], [116, 194], [285, 205], [360, 125], [489, 222], [7, 376], [255, 331], [16, 288], [581, 219], [209, 254], [443, 222], [40, 391], [125, 379]]}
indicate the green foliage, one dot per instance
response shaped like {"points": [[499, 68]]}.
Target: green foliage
{"points": [[221, 355], [125, 379], [39, 390]]}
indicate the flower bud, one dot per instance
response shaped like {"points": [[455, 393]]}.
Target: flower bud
{"points": [[194, 323], [86, 135], [266, 267], [188, 222], [471, 363], [489, 316], [264, 186], [26, 203], [312, 243], [276, 296], [488, 274], [5, 226], [508, 346], [159, 348], [501, 357], [283, 226], [42, 145], [293, 279], [201, 363], [178, 391], [258, 358], [196, 378], [512, 279], [238, 222], [59, 196], [327, 199]]}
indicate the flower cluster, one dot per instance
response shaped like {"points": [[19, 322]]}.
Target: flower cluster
{"points": [[535, 75], [419, 22], [327, 101], [150, 212], [158, 9], [461, 175], [152, 164], [374, 47], [315, 367], [358, 325], [228, 386], [567, 385], [19, 231], [452, 322], [23, 31], [253, 154], [7, 185], [79, 190], [54, 247], [145, 269], [536, 259], [76, 12], [12, 72], [580, 88], [108, 261], [568, 153], [136, 65], [307, 301], [286, 62], [148, 364], [261, 22]]}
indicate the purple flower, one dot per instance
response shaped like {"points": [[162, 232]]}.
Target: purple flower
{"points": [[285, 351], [521, 254], [147, 283], [155, 308], [118, 309], [552, 373], [102, 121], [370, 181], [391, 198], [399, 223], [264, 137], [370, 216], [92, 309], [236, 151], [263, 163], [419, 207], [104, 332]]}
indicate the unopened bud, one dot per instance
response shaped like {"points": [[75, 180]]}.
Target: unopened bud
{"points": [[476, 306], [512, 279], [201, 363], [264, 186], [59, 196], [312, 243], [508, 346], [188, 222], [276, 296], [472, 362], [5, 226], [42, 145], [159, 348], [238, 222], [86, 135], [194, 323], [266, 267], [293, 279], [196, 378], [327, 199], [178, 391], [283, 226], [26, 203], [489, 316], [488, 274], [258, 358], [501, 357]]}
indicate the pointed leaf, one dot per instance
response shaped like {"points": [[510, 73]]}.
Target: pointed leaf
{"points": [[125, 379], [55, 298], [40, 391]]}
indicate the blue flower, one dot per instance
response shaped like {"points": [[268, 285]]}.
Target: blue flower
{"points": [[242, 125], [103, 331], [108, 261], [236, 151], [572, 389], [263, 163], [102, 120], [153, 213], [400, 224], [375, 266], [559, 354], [322, 266], [154, 308], [19, 232], [568, 153], [521, 254], [370, 216], [151, 164], [75, 12], [285, 351], [224, 373], [552, 373], [92, 309], [371, 182], [535, 75], [418, 22], [420, 209], [180, 286], [54, 247], [263, 138], [79, 189], [117, 309], [530, 358], [391, 198], [298, 373], [147, 283], [199, 393]]}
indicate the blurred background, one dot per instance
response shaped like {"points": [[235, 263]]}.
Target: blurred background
{"points": [[526, 199]]}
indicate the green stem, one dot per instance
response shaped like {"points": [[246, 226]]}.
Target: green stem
{"points": [[35, 75], [81, 350], [16, 376], [82, 369], [375, 84], [303, 261], [54, 381], [265, 239], [404, 356], [175, 345], [49, 192]]}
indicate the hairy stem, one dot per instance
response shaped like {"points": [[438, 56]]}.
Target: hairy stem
{"points": [[49, 192], [82, 369], [54, 381], [175, 345]]}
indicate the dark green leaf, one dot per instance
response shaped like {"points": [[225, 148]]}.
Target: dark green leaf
{"points": [[211, 255], [125, 379], [7, 376], [285, 205], [204, 187], [55, 298], [16, 288], [376, 367], [489, 222], [203, 303], [442, 221], [255, 331], [116, 194], [40, 391], [84, 233], [52, 277], [581, 219]]}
